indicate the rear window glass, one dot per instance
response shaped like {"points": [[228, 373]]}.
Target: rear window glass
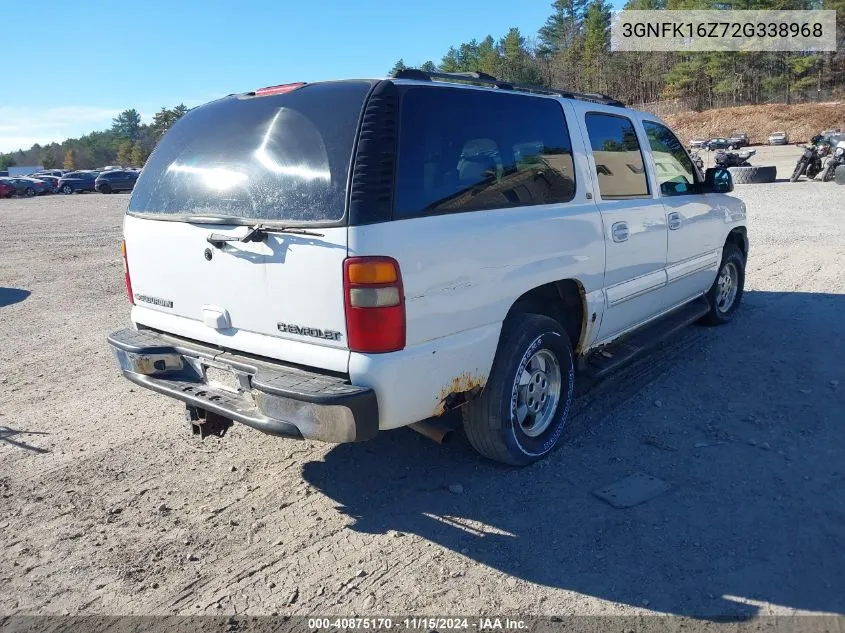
{"points": [[282, 157], [619, 161], [468, 150]]}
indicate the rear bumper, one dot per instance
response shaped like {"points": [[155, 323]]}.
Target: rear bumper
{"points": [[270, 397]]}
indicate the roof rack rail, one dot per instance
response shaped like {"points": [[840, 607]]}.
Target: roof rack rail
{"points": [[484, 79]]}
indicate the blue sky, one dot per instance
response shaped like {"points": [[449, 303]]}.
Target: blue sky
{"points": [[116, 55]]}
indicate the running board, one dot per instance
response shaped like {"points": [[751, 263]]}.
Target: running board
{"points": [[615, 354]]}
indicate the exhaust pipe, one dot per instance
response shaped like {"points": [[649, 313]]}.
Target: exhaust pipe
{"points": [[440, 433]]}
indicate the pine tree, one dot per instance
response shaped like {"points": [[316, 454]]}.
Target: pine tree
{"points": [[138, 156], [124, 153], [127, 124], [428, 66], [596, 44], [398, 66]]}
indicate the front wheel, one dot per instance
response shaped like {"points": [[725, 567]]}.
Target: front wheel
{"points": [[829, 171], [30, 192], [521, 413], [67, 190], [799, 169], [725, 294], [105, 189]]}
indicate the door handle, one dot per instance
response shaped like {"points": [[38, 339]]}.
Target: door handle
{"points": [[675, 221], [620, 231]]}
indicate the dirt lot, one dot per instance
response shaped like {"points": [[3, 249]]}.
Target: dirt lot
{"points": [[109, 506]]}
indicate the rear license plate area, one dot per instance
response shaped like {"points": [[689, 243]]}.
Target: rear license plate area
{"points": [[224, 379]]}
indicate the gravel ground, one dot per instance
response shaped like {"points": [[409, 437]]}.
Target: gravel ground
{"points": [[109, 506]]}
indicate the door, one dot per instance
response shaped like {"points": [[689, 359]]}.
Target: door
{"points": [[694, 218], [634, 224]]}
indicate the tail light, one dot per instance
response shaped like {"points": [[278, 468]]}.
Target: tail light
{"points": [[126, 273], [375, 304], [278, 90]]}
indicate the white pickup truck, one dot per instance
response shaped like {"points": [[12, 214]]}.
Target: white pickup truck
{"points": [[334, 259]]}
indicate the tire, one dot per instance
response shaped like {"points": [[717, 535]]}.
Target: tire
{"points": [[535, 351], [725, 294], [67, 190], [753, 175], [799, 169], [827, 172], [105, 189], [30, 192], [839, 175]]}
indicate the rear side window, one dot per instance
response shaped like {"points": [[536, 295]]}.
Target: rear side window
{"points": [[619, 162], [469, 150], [283, 157]]}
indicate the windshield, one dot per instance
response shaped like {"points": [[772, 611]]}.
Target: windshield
{"points": [[283, 157]]}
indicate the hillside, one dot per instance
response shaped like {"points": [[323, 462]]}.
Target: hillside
{"points": [[800, 121]]}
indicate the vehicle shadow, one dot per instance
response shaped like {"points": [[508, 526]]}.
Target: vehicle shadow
{"points": [[752, 447], [6, 434], [8, 296]]}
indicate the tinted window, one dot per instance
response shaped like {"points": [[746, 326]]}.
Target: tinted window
{"points": [[462, 150], [279, 157], [619, 161], [674, 169]]}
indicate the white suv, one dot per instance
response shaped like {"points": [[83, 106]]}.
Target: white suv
{"points": [[335, 259]]}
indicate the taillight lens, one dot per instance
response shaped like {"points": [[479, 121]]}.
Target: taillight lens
{"points": [[375, 304], [126, 273], [278, 90]]}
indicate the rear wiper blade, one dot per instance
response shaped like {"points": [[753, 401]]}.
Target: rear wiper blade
{"points": [[258, 233]]}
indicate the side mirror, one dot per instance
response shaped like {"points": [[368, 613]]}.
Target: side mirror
{"points": [[718, 180]]}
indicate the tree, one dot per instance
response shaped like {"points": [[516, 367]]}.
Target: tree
{"points": [[596, 45], [180, 111], [7, 161], [428, 66], [70, 159], [398, 66], [124, 153], [127, 124], [562, 26], [138, 156]]}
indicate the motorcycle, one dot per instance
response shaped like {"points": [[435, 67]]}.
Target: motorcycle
{"points": [[834, 161], [734, 159], [810, 163], [696, 158]]}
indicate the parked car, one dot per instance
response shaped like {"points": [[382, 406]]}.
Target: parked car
{"points": [[51, 181], [112, 168], [58, 173], [336, 319], [738, 139], [77, 181], [698, 143], [718, 143], [114, 181], [27, 186], [778, 138], [7, 189]]}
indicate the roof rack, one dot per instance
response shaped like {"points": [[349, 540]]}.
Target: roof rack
{"points": [[483, 79]]}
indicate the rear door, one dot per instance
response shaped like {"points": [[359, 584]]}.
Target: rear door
{"points": [[634, 222], [279, 161]]}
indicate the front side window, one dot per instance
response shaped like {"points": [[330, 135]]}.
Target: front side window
{"points": [[674, 169], [619, 162], [470, 150]]}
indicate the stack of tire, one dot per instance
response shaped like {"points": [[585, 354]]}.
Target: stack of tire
{"points": [[839, 175], [753, 175]]}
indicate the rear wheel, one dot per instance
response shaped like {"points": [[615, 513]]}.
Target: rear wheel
{"points": [[67, 189], [725, 294], [521, 413], [799, 169], [105, 189]]}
